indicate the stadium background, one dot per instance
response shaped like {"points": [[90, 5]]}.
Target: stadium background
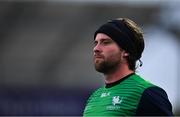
{"points": [[46, 46]]}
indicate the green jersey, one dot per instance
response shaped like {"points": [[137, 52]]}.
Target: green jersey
{"points": [[121, 98]]}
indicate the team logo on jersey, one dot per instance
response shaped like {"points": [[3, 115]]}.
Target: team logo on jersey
{"points": [[116, 100]]}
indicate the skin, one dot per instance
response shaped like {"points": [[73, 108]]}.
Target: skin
{"points": [[110, 59]]}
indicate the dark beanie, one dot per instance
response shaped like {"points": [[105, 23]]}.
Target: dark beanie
{"points": [[122, 35]]}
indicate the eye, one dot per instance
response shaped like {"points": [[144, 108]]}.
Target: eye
{"points": [[106, 42]]}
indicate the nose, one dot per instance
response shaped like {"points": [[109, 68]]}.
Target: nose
{"points": [[97, 49]]}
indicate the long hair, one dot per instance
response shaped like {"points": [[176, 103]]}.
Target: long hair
{"points": [[138, 41]]}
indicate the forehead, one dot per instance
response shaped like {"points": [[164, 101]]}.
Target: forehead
{"points": [[102, 36]]}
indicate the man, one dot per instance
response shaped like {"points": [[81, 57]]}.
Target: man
{"points": [[119, 45]]}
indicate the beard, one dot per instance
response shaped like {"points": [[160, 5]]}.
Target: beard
{"points": [[106, 67]]}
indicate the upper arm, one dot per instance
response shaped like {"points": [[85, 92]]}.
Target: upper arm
{"points": [[154, 101]]}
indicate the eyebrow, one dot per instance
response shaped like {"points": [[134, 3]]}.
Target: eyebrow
{"points": [[103, 39]]}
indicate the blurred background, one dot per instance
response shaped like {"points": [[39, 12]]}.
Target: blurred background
{"points": [[46, 47]]}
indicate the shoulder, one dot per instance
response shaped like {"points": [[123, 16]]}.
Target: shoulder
{"points": [[154, 101], [138, 83], [96, 93]]}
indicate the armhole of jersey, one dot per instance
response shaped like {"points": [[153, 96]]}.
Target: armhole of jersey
{"points": [[154, 101]]}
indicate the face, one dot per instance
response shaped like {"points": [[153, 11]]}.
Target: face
{"points": [[107, 54]]}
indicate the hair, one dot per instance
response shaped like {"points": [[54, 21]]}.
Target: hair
{"points": [[138, 41]]}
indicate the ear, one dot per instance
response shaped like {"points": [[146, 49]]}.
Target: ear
{"points": [[126, 54]]}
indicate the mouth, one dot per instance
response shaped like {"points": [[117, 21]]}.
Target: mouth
{"points": [[98, 56]]}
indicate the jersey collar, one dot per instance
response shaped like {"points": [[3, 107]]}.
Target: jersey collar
{"points": [[109, 85]]}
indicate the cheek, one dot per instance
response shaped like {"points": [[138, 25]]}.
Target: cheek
{"points": [[113, 55]]}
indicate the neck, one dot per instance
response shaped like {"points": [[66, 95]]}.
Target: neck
{"points": [[118, 74]]}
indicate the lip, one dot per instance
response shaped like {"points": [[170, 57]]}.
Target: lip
{"points": [[98, 56]]}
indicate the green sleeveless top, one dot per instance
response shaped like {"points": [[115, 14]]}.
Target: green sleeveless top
{"points": [[120, 99]]}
